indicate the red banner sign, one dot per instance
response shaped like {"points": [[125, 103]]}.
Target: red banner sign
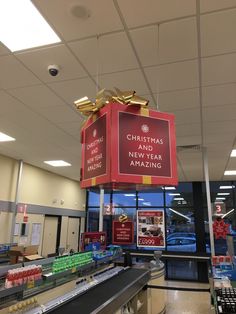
{"points": [[95, 149], [128, 145], [151, 228], [144, 146], [122, 232]]}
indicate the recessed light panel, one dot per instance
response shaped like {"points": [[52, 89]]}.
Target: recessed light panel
{"points": [[233, 153], [57, 163], [230, 173], [6, 138], [23, 27], [169, 188], [226, 187], [223, 193]]}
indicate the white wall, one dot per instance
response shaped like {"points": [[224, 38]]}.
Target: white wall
{"points": [[38, 187], [8, 177], [48, 189]]}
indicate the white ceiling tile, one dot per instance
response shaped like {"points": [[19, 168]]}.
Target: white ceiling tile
{"points": [[215, 127], [232, 164], [4, 50], [127, 80], [211, 5], [219, 69], [187, 116], [146, 44], [178, 40], [109, 53], [219, 113], [178, 100], [218, 137], [72, 90], [213, 148], [58, 114], [14, 74], [37, 96], [138, 13], [39, 60], [8, 105], [188, 140], [102, 17], [218, 32], [219, 95], [71, 127], [174, 76], [189, 129]]}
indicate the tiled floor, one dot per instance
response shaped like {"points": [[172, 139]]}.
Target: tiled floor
{"points": [[185, 302]]}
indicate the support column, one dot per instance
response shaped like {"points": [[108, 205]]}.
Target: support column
{"points": [[18, 183], [101, 210], [208, 195]]}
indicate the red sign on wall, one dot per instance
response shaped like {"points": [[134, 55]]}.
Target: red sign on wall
{"points": [[124, 145], [122, 232]]}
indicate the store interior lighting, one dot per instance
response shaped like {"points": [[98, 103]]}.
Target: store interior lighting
{"points": [[20, 21], [178, 213], [233, 153], [6, 138], [168, 188], [225, 187], [228, 213], [223, 194], [174, 194], [57, 163], [230, 172]]}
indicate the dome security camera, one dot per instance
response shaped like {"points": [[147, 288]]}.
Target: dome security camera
{"points": [[53, 70]]}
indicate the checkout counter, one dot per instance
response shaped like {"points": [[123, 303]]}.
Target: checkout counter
{"points": [[95, 286]]}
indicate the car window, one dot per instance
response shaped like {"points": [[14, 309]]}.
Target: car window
{"points": [[187, 241]]}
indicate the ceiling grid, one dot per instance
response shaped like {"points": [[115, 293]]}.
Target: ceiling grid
{"points": [[177, 54]]}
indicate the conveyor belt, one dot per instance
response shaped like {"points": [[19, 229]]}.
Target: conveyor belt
{"points": [[107, 296]]}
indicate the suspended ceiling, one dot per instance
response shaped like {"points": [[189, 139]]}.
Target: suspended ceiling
{"points": [[180, 54]]}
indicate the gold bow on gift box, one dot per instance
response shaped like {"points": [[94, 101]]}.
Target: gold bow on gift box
{"points": [[87, 107]]}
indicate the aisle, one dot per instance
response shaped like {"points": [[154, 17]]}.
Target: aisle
{"points": [[186, 302]]}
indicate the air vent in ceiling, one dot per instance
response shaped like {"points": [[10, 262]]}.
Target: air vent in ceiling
{"points": [[189, 147]]}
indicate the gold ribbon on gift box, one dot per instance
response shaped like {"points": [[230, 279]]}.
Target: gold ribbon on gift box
{"points": [[87, 107]]}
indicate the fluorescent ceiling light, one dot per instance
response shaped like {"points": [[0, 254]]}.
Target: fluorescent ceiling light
{"points": [[178, 199], [6, 138], [225, 187], [57, 163], [22, 26], [169, 188], [230, 173], [220, 198], [233, 153], [141, 199], [178, 213], [129, 194], [223, 193], [228, 213], [174, 194]]}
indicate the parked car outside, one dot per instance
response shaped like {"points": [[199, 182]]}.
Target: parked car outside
{"points": [[181, 243]]}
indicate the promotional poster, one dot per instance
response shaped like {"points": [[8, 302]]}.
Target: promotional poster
{"points": [[93, 241], [151, 228], [122, 232]]}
